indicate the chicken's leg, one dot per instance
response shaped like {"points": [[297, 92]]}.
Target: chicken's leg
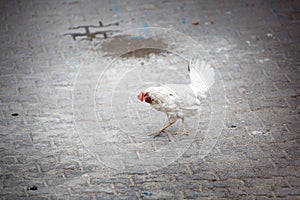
{"points": [[183, 130], [162, 129]]}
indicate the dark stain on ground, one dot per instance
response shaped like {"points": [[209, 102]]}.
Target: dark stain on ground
{"points": [[144, 53], [128, 46], [32, 187], [88, 35]]}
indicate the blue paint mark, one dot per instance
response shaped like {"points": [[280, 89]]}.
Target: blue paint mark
{"points": [[274, 9], [117, 9], [146, 25], [183, 21], [181, 8]]}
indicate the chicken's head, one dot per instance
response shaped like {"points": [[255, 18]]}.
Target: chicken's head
{"points": [[145, 96]]}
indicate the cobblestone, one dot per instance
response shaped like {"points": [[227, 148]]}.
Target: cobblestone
{"points": [[65, 135]]}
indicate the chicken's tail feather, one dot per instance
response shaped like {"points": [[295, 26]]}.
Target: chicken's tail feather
{"points": [[202, 77]]}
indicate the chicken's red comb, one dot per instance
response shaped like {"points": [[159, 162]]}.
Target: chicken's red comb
{"points": [[141, 95]]}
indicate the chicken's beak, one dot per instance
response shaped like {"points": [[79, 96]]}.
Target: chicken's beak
{"points": [[141, 96]]}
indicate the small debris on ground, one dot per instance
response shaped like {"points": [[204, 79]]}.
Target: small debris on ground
{"points": [[145, 193], [260, 133], [264, 60], [32, 187], [269, 35]]}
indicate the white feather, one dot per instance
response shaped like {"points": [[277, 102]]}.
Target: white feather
{"points": [[202, 77]]}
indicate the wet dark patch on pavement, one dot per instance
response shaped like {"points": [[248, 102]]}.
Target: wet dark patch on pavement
{"points": [[130, 46]]}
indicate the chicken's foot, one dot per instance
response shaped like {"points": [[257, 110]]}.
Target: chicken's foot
{"points": [[183, 130]]}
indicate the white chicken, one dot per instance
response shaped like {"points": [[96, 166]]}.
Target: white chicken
{"points": [[180, 100]]}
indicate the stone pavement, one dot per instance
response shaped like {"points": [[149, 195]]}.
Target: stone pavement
{"points": [[72, 128]]}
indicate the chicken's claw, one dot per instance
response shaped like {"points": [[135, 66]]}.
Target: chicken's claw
{"points": [[183, 132]]}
